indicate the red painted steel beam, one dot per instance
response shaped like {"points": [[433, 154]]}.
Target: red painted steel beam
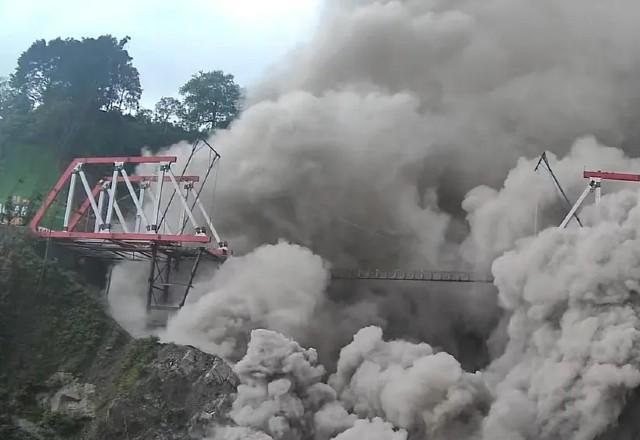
{"points": [[121, 236], [138, 179], [37, 218], [607, 175], [128, 159], [219, 252]]}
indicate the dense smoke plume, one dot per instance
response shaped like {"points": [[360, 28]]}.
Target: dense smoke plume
{"points": [[574, 333], [405, 134], [277, 287], [411, 386]]}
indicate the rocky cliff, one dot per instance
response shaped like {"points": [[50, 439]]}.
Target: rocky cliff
{"points": [[67, 371]]}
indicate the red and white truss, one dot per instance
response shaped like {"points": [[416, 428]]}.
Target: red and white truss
{"points": [[126, 215], [111, 215], [595, 186]]}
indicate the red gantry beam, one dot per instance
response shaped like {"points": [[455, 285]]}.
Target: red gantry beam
{"points": [[160, 238], [126, 159], [607, 175], [140, 179], [595, 185]]}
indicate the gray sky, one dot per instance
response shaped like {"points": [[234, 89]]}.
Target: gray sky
{"points": [[170, 40]]}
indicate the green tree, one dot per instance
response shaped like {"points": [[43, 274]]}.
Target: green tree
{"points": [[211, 101], [92, 72], [145, 115], [10, 100], [80, 97], [6, 96], [166, 109]]}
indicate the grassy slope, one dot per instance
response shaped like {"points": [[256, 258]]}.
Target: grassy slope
{"points": [[26, 170]]}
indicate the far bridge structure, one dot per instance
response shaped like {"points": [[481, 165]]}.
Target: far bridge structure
{"points": [[100, 210]]}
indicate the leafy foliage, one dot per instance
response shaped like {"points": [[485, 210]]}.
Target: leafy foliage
{"points": [[143, 352], [8, 98], [166, 109], [211, 100], [60, 423], [71, 321], [80, 97], [91, 73]]}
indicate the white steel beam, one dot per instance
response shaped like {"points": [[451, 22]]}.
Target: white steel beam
{"points": [[207, 219], [100, 206], [172, 177], [153, 197], [141, 209], [181, 220], [140, 212], [92, 199], [577, 205], [159, 186], [121, 219], [70, 196], [112, 195]]}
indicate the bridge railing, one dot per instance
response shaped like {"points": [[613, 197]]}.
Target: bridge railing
{"points": [[410, 275]]}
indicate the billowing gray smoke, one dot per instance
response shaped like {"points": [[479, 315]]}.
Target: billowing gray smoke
{"points": [[404, 134], [417, 390], [277, 287], [404, 106], [573, 352]]}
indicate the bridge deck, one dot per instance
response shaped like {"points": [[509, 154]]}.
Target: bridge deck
{"points": [[411, 275]]}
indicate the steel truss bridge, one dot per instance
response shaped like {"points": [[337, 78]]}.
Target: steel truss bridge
{"points": [[167, 223], [167, 230]]}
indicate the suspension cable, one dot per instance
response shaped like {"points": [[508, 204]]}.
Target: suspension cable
{"points": [[543, 159], [204, 181]]}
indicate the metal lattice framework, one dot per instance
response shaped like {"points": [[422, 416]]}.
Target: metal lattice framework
{"points": [[130, 217], [595, 186]]}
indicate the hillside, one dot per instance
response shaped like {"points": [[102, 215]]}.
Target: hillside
{"points": [[27, 170], [67, 371]]}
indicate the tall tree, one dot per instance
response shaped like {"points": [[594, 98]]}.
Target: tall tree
{"points": [[10, 100], [166, 109], [93, 72], [6, 96], [145, 115], [211, 100]]}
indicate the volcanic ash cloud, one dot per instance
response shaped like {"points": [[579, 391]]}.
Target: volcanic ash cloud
{"points": [[573, 351], [276, 286]]}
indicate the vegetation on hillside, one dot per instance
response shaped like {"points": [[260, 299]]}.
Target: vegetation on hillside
{"points": [[81, 97], [71, 321], [78, 97], [52, 320], [54, 333], [142, 352]]}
